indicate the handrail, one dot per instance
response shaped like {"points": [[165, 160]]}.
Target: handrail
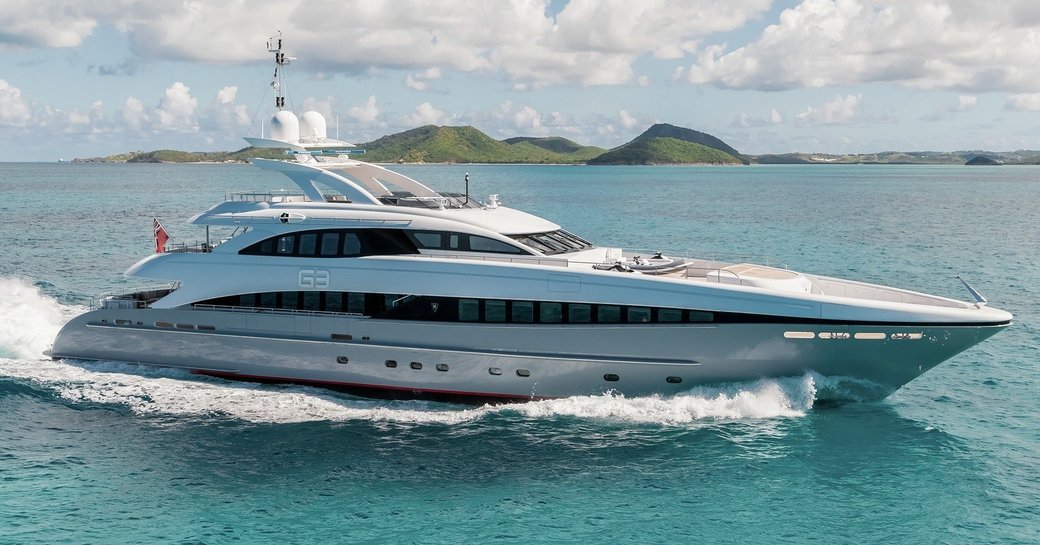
{"points": [[144, 295]]}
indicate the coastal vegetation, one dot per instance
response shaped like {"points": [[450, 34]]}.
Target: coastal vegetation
{"points": [[661, 144]]}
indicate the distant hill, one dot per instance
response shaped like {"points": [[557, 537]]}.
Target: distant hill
{"points": [[435, 144], [981, 160], [556, 144], [668, 144], [175, 156]]}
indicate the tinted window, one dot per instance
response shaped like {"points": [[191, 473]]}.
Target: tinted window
{"points": [[579, 313], [638, 314], [268, 300], [550, 312], [495, 311], [351, 244], [484, 244], [285, 245], [523, 312], [334, 301], [356, 303], [610, 314], [330, 244], [308, 243], [669, 315], [699, 316], [427, 239], [469, 310]]}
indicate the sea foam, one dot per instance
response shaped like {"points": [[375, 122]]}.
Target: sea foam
{"points": [[29, 320], [150, 391]]}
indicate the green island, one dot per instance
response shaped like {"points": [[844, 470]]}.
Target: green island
{"points": [[661, 144]]}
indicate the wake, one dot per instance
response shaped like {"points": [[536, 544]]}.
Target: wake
{"points": [[29, 320]]}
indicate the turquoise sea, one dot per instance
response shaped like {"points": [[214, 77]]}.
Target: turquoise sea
{"points": [[115, 453]]}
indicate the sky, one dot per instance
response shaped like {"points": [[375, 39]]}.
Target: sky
{"points": [[85, 78]]}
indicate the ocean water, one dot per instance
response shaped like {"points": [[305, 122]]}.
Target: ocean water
{"points": [[114, 453]]}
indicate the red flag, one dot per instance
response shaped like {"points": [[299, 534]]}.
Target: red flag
{"points": [[161, 236]]}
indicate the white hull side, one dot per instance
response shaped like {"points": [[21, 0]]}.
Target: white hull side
{"points": [[559, 360]]}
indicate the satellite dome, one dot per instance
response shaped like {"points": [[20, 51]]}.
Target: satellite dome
{"points": [[285, 126], [312, 127]]}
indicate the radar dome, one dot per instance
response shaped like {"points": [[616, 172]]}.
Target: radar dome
{"points": [[285, 127], [312, 127]]}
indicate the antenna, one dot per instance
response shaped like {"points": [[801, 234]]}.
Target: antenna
{"points": [[274, 45], [467, 188]]}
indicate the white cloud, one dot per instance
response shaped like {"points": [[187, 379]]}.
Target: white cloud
{"points": [[965, 103], [223, 115], [628, 121], [31, 23], [366, 113], [227, 94], [840, 110], [775, 117], [1026, 102], [528, 119], [426, 114], [935, 44], [589, 42], [13, 109], [420, 81], [176, 110], [133, 114], [643, 81]]}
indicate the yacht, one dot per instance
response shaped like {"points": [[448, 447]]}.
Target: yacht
{"points": [[368, 281]]}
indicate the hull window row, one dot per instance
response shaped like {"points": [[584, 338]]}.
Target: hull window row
{"points": [[454, 309], [362, 242], [335, 243], [462, 242], [368, 304]]}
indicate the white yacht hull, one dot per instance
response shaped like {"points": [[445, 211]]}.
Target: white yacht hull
{"points": [[480, 362]]}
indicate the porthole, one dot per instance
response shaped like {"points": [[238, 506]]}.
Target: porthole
{"points": [[799, 335], [673, 380], [206, 328], [185, 326], [341, 337], [415, 365], [391, 363], [495, 371], [342, 359], [523, 373], [442, 366], [163, 324], [122, 322], [834, 335], [870, 336], [611, 377]]}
